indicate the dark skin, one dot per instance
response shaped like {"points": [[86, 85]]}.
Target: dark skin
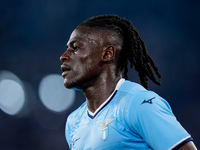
{"points": [[96, 65], [90, 65]]}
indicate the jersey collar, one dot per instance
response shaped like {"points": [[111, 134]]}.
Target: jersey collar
{"points": [[91, 114]]}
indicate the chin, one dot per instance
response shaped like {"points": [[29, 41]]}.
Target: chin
{"points": [[68, 84], [71, 85]]}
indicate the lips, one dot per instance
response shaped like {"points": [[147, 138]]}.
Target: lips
{"points": [[65, 68]]}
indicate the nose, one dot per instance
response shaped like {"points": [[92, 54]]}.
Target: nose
{"points": [[64, 57]]}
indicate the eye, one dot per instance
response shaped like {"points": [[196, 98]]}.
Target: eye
{"points": [[75, 48]]}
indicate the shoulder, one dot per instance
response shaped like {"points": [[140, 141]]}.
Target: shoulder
{"points": [[149, 115], [131, 87], [138, 103], [135, 102], [134, 94], [137, 94], [142, 102], [128, 91]]}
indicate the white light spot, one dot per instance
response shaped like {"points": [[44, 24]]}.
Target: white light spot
{"points": [[12, 96], [54, 95]]}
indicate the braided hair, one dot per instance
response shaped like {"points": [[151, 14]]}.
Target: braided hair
{"points": [[133, 47]]}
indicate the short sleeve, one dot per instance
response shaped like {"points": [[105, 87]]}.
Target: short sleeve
{"points": [[151, 117]]}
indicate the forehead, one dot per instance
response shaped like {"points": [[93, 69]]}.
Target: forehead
{"points": [[83, 33]]}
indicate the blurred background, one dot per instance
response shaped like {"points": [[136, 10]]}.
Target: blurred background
{"points": [[34, 104]]}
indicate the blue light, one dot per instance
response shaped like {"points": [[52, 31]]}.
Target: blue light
{"points": [[54, 95]]}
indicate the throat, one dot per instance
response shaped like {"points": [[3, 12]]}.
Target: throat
{"points": [[105, 103], [92, 110]]}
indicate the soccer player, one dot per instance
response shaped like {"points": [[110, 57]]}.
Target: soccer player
{"points": [[118, 113]]}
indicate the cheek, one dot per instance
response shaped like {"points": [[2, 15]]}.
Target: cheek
{"points": [[89, 61]]}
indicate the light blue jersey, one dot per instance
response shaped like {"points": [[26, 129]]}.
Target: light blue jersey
{"points": [[132, 118]]}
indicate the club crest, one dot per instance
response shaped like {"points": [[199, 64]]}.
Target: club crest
{"points": [[104, 133]]}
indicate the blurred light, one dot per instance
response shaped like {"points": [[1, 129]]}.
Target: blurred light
{"points": [[54, 95], [29, 100], [12, 95]]}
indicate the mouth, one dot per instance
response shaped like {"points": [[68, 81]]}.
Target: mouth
{"points": [[65, 69]]}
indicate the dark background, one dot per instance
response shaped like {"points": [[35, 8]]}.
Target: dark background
{"points": [[33, 35]]}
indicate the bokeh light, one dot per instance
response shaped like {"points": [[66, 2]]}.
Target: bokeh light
{"points": [[12, 95], [53, 95]]}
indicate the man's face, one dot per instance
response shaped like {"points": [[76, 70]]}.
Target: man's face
{"points": [[81, 61]]}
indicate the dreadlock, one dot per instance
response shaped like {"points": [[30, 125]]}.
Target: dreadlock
{"points": [[133, 48]]}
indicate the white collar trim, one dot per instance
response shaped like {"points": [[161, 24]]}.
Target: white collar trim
{"points": [[116, 88]]}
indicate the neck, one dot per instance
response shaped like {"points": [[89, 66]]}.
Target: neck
{"points": [[99, 91]]}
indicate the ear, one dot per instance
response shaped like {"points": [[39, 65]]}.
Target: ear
{"points": [[109, 53]]}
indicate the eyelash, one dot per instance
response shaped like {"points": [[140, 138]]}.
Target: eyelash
{"points": [[75, 48]]}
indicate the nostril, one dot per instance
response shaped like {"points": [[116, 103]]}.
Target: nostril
{"points": [[64, 58]]}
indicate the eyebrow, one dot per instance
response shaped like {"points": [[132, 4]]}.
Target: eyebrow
{"points": [[71, 42]]}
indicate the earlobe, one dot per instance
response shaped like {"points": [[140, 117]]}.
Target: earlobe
{"points": [[109, 53]]}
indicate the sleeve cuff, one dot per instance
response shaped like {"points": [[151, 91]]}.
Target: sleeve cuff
{"points": [[181, 143]]}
